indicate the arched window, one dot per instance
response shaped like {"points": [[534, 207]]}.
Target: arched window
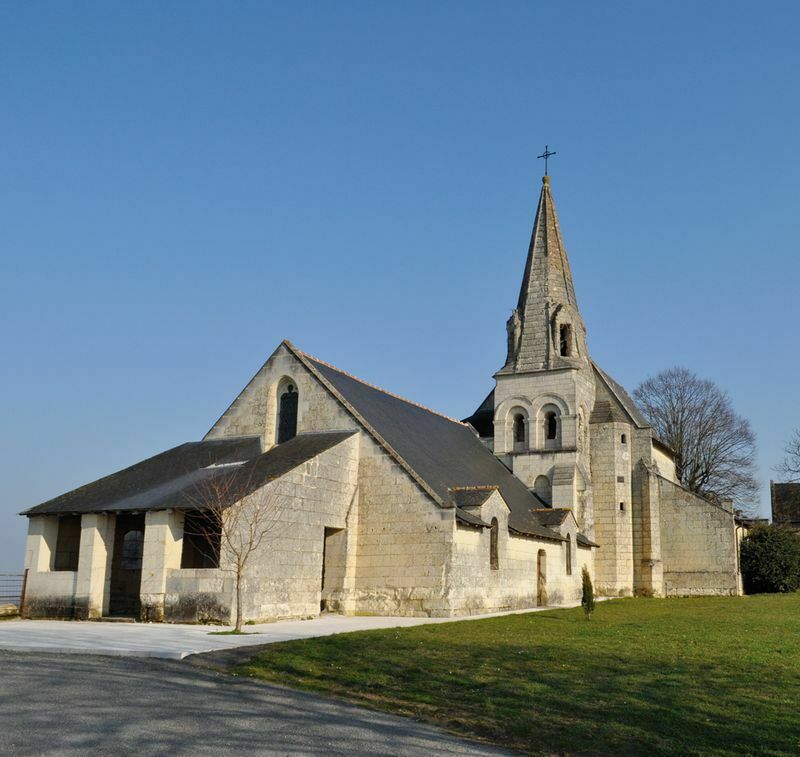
{"points": [[549, 423], [569, 554], [543, 489], [519, 429], [494, 533], [623, 439], [287, 414]]}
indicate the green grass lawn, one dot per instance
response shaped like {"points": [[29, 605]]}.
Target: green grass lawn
{"points": [[644, 676]]}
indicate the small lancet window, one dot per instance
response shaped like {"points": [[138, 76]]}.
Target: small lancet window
{"points": [[519, 429], [622, 507], [494, 533], [551, 426], [623, 439], [287, 414], [569, 554], [565, 340]]}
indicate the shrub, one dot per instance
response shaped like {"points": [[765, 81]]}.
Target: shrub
{"points": [[770, 560], [587, 595]]}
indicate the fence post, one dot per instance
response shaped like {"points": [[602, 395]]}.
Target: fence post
{"points": [[22, 593]]}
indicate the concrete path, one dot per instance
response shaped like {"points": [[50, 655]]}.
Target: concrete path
{"points": [[69, 706], [169, 641]]}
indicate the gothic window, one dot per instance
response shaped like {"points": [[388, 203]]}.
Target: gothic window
{"points": [[565, 340], [68, 543], [623, 439], [287, 414], [494, 557], [569, 554]]}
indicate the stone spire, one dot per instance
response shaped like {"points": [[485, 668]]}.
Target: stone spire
{"points": [[546, 331]]}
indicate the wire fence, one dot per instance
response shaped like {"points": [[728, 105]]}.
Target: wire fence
{"points": [[12, 588]]}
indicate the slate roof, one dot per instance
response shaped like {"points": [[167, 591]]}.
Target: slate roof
{"points": [[472, 496], [624, 399], [176, 478], [553, 516], [786, 504], [440, 453], [482, 420]]}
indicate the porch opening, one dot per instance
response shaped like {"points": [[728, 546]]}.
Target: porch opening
{"points": [[126, 566]]}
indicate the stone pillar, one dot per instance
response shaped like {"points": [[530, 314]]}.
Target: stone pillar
{"points": [[648, 565], [40, 545], [94, 566], [163, 542]]}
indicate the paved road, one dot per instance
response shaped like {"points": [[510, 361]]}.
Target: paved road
{"points": [[173, 642], [77, 705]]}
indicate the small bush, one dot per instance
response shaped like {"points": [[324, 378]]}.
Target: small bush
{"points": [[587, 595], [770, 560]]}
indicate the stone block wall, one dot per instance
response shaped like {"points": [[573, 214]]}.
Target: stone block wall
{"points": [[613, 508], [284, 577], [404, 541], [698, 544], [254, 411]]}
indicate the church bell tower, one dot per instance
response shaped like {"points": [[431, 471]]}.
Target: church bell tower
{"points": [[545, 392]]}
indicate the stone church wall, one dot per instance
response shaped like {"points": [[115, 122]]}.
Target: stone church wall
{"points": [[474, 587], [613, 508], [698, 544], [404, 541], [254, 411], [284, 578]]}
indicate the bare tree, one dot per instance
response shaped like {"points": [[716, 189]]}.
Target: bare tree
{"points": [[789, 467], [232, 514], [715, 447]]}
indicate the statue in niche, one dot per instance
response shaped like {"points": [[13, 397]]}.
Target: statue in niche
{"points": [[514, 332]]}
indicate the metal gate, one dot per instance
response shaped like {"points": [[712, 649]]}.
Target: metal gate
{"points": [[12, 589]]}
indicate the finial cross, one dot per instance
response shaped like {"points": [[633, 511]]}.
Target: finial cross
{"points": [[546, 154]]}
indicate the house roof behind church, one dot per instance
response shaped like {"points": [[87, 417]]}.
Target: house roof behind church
{"points": [[441, 452], [177, 478], [786, 504]]}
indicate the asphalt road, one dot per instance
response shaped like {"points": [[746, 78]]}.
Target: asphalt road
{"points": [[81, 704]]}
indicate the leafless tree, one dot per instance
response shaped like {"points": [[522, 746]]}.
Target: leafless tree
{"points": [[233, 514], [715, 447], [789, 467]]}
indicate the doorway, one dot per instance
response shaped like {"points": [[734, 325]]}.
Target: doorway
{"points": [[334, 559], [541, 579], [126, 567]]}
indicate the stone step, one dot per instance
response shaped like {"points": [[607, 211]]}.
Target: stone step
{"points": [[107, 619]]}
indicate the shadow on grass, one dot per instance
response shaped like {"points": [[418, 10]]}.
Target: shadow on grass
{"points": [[634, 682]]}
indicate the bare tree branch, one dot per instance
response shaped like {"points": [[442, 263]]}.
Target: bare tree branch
{"points": [[716, 448], [233, 512], [789, 467]]}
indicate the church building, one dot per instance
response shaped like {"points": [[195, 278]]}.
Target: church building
{"points": [[380, 505]]}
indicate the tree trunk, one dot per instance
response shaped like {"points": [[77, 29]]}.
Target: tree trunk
{"points": [[238, 599]]}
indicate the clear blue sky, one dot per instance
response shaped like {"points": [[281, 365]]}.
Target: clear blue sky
{"points": [[183, 185]]}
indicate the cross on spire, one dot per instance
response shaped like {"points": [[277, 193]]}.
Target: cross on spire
{"points": [[546, 154]]}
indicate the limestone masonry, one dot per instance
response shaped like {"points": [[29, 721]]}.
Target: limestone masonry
{"points": [[350, 499]]}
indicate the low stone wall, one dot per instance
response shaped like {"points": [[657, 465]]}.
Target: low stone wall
{"points": [[698, 544], [51, 594]]}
